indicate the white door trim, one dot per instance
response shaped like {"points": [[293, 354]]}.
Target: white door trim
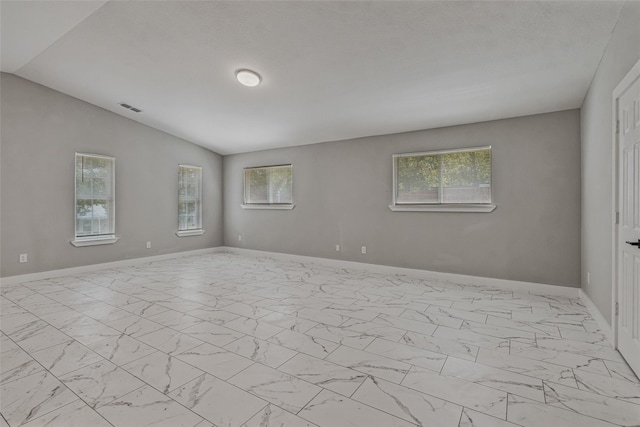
{"points": [[631, 76]]}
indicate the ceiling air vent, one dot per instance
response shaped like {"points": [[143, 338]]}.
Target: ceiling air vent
{"points": [[129, 107]]}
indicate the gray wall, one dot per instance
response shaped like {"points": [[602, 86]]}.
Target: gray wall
{"points": [[621, 54], [342, 191], [41, 131]]}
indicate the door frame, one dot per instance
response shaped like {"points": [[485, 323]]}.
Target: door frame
{"points": [[626, 81]]}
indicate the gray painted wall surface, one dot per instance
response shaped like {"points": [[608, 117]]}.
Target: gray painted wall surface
{"points": [[621, 54], [342, 191], [41, 131]]}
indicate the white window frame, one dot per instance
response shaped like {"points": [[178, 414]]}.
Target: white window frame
{"points": [[102, 239], [438, 207], [198, 231], [281, 206]]}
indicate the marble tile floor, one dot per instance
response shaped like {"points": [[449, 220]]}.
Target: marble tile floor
{"points": [[229, 340]]}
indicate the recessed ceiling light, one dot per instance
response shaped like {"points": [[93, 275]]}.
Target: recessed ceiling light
{"points": [[248, 77]]}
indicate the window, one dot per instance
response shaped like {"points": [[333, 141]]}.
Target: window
{"points": [[268, 187], [94, 200], [453, 180], [189, 201]]}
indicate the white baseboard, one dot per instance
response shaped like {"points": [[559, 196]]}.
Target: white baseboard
{"points": [[22, 278], [602, 322], [510, 285]]}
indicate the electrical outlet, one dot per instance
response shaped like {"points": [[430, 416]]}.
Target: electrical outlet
{"points": [[148, 245], [364, 249], [23, 258], [239, 237], [337, 248]]}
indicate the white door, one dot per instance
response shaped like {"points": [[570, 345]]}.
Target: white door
{"points": [[629, 228]]}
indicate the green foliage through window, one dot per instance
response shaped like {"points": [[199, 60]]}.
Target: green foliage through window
{"points": [[269, 185], [189, 198], [94, 195], [461, 176]]}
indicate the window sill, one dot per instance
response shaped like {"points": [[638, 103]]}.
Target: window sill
{"points": [[282, 207], [188, 233], [444, 208], [94, 241]]}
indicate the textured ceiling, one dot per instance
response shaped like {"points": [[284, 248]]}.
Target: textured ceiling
{"points": [[331, 70]]}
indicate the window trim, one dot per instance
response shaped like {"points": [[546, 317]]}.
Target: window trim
{"points": [[191, 231], [268, 206], [96, 239], [438, 207]]}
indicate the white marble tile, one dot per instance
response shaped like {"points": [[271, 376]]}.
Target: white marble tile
{"points": [[213, 315], [286, 321], [88, 333], [135, 326], [148, 407], [350, 311], [548, 319], [45, 337], [7, 344], [583, 336], [273, 416], [100, 383], [499, 332], [530, 367], [330, 409], [570, 360], [162, 371], [535, 328], [212, 333], [591, 404], [407, 354], [457, 314], [464, 393], [406, 324], [66, 357], [276, 387], [499, 379], [214, 360], [121, 349], [16, 364], [144, 308], [170, 341], [450, 347], [621, 371], [324, 374], [75, 414], [340, 335], [253, 327], [582, 348], [433, 317], [374, 329], [321, 316], [369, 363], [307, 344], [405, 403], [175, 319], [471, 338], [611, 387], [247, 310], [471, 418], [261, 351], [29, 397], [529, 413]]}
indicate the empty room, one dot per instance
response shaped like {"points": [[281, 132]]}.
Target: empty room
{"points": [[319, 213]]}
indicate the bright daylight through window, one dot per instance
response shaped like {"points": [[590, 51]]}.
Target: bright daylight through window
{"points": [[94, 199], [268, 187], [189, 198], [456, 180]]}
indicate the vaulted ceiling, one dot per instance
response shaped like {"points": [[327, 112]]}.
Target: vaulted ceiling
{"points": [[330, 70]]}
